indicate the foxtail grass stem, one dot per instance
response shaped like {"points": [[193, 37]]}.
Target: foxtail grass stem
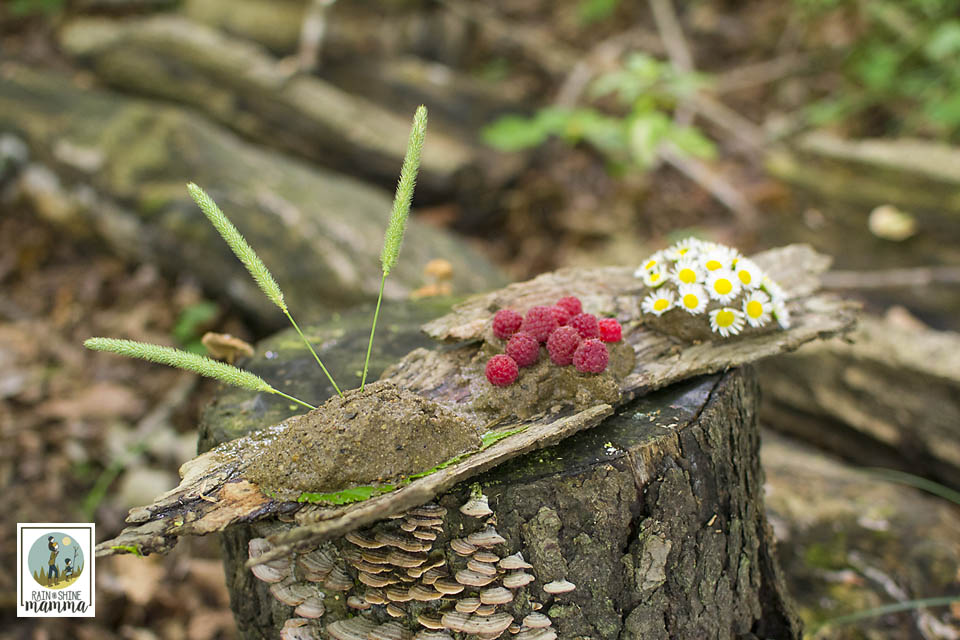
{"points": [[301, 402], [376, 314], [315, 356]]}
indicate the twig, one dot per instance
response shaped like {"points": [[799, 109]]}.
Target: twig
{"points": [[604, 53], [555, 57], [759, 73], [891, 278], [312, 31], [716, 185], [671, 34]]}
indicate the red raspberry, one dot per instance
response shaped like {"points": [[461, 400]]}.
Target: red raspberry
{"points": [[506, 322], [539, 323], [561, 314], [586, 324], [524, 349], [571, 304], [591, 356], [610, 330], [561, 344], [502, 370]]}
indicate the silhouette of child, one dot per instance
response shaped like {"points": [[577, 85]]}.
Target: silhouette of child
{"points": [[52, 565]]}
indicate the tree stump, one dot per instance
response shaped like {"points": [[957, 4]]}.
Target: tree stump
{"points": [[650, 525]]}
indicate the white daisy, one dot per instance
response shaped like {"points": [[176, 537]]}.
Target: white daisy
{"points": [[693, 298], [656, 261], [757, 308], [780, 313], [723, 285], [686, 247], [726, 321], [687, 271], [748, 273], [775, 290], [658, 303], [654, 278], [719, 257]]}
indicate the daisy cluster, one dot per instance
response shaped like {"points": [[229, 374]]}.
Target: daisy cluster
{"points": [[700, 277]]}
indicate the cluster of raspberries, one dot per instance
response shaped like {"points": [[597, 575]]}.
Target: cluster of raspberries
{"points": [[571, 337]]}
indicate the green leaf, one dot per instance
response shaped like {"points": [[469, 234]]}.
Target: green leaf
{"points": [[692, 141], [192, 319], [647, 132], [347, 496], [944, 43], [878, 66], [590, 11]]}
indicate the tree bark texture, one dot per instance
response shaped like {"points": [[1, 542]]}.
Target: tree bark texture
{"points": [[656, 516]]}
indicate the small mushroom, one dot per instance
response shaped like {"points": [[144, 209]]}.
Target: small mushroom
{"points": [[432, 635], [476, 507], [378, 580], [315, 566], [429, 510], [467, 605], [355, 628], [375, 596], [517, 579], [462, 547], [515, 561], [298, 629], [496, 595], [376, 556], [287, 592], [397, 594], [537, 634], [486, 538], [223, 346], [364, 540], [486, 610], [559, 586], [432, 574], [486, 556], [536, 621], [484, 568], [395, 610], [390, 631], [430, 620], [424, 593], [312, 607], [424, 534], [448, 586], [273, 571], [338, 580], [356, 602], [405, 559], [474, 579], [406, 543]]}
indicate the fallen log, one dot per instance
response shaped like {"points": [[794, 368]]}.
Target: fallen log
{"points": [[886, 395]]}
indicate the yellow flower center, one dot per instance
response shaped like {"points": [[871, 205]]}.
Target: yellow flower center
{"points": [[724, 318], [691, 301], [745, 276], [754, 309], [688, 275], [650, 264], [660, 304], [713, 265], [683, 251], [723, 286], [654, 277]]}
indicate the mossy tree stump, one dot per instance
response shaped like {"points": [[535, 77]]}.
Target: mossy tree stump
{"points": [[656, 515]]}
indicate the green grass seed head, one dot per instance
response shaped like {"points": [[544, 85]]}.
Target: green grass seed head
{"points": [[237, 243], [401, 201]]}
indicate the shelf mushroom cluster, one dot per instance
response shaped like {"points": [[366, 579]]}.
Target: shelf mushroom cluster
{"points": [[408, 587]]}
